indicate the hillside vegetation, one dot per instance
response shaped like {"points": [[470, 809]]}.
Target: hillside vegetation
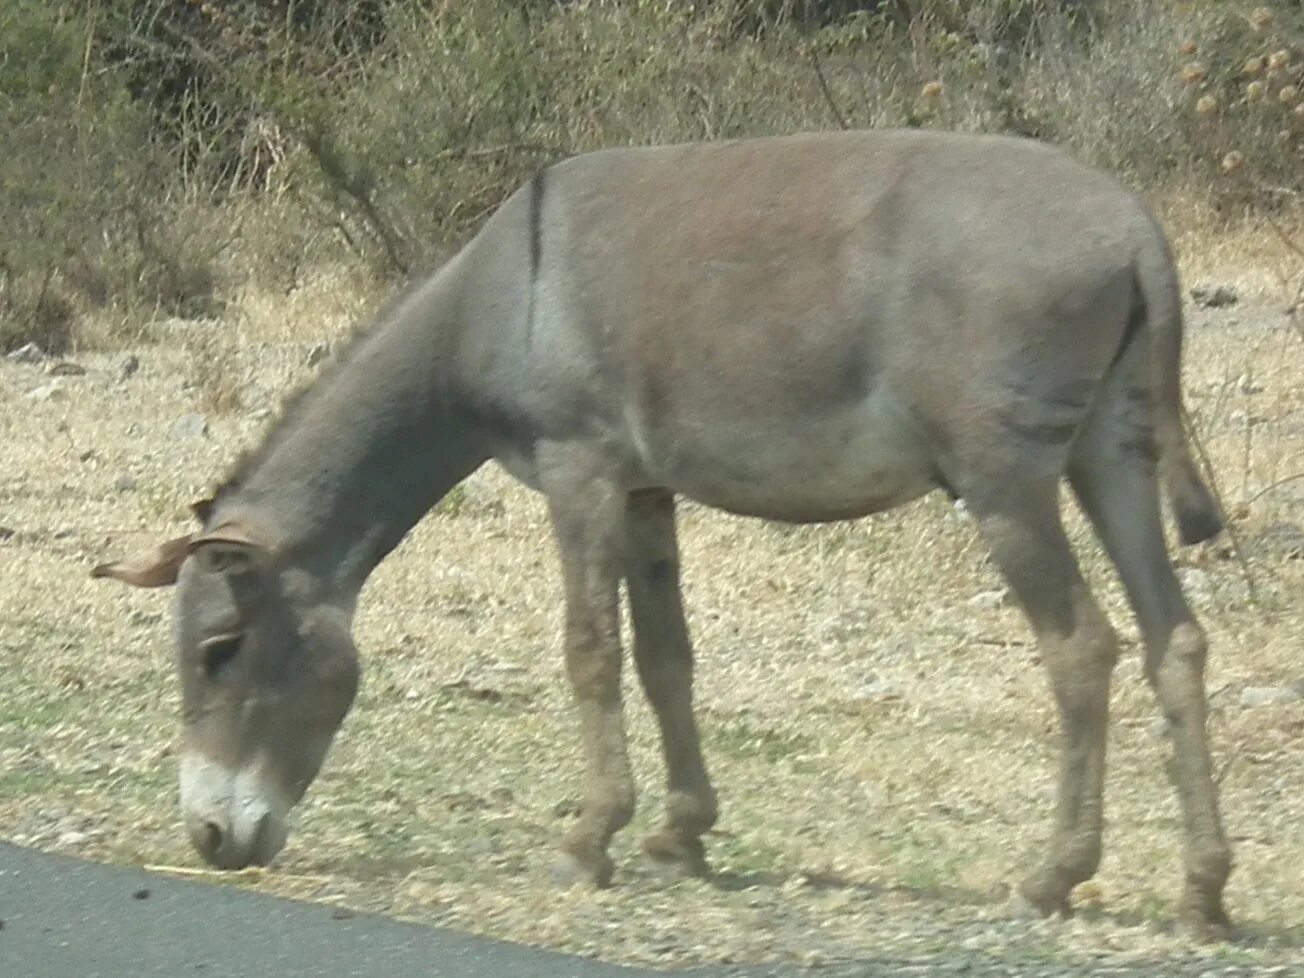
{"points": [[164, 156]]}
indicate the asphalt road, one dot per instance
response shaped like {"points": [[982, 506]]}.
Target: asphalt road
{"points": [[65, 918]]}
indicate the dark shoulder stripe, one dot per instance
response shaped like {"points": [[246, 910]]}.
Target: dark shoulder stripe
{"points": [[536, 221], [537, 185]]}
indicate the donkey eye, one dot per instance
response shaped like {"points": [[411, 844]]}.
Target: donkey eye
{"points": [[219, 652]]}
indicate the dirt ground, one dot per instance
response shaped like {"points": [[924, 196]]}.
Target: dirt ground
{"points": [[878, 725]]}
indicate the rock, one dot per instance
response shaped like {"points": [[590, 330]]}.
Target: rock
{"points": [[878, 690], [64, 368], [1255, 696], [191, 425], [1210, 296], [1246, 384], [28, 353], [989, 599], [128, 367], [318, 353], [1158, 728], [70, 838], [47, 392], [1197, 584], [125, 483]]}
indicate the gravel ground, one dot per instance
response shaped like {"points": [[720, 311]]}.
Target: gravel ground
{"points": [[871, 704]]}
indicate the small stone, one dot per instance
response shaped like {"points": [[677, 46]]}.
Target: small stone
{"points": [[566, 808], [879, 690], [64, 368], [128, 367], [1255, 696], [989, 599], [1158, 728], [342, 913], [47, 392], [1214, 296], [190, 426], [7, 533], [1197, 584], [318, 353], [125, 483], [71, 838], [141, 894], [28, 353]]}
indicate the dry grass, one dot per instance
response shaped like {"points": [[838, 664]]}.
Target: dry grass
{"points": [[849, 825]]}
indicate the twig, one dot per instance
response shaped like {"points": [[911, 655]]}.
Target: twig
{"points": [[1274, 485], [253, 872], [86, 54], [249, 873], [826, 91], [1227, 765], [482, 151]]}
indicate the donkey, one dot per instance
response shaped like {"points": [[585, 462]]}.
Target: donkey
{"points": [[805, 328]]}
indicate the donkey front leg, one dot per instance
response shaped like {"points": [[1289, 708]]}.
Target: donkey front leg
{"points": [[664, 655], [588, 516]]}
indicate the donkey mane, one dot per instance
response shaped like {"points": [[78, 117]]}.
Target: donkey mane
{"points": [[293, 404]]}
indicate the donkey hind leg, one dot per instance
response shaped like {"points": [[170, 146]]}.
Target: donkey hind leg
{"points": [[664, 655], [1021, 524], [588, 516], [1113, 475]]}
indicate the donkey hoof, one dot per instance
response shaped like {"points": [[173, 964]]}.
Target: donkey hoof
{"points": [[1202, 924], [1035, 898], [569, 870], [676, 858]]}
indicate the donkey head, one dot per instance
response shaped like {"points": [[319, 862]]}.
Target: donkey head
{"points": [[268, 671]]}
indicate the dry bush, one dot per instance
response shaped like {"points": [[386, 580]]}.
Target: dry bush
{"points": [[87, 193], [1245, 82]]}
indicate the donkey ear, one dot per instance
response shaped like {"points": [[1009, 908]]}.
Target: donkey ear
{"points": [[230, 548], [157, 568]]}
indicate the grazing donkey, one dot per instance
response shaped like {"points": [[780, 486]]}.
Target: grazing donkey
{"points": [[807, 328]]}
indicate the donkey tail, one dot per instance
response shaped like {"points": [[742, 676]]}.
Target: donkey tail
{"points": [[1195, 509]]}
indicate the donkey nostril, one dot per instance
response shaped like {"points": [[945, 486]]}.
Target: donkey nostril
{"points": [[208, 834], [211, 837]]}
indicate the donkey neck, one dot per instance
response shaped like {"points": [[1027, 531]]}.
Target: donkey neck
{"points": [[367, 450]]}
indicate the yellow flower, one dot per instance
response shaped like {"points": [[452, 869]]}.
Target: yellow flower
{"points": [[1206, 105], [1193, 73], [1255, 91], [1233, 161], [1254, 67], [932, 89], [1288, 95], [1188, 47], [1279, 60], [1260, 18]]}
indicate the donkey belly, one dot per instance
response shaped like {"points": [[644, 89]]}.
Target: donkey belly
{"points": [[860, 459]]}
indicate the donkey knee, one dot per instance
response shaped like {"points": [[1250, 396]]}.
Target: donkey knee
{"points": [[1177, 671]]}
